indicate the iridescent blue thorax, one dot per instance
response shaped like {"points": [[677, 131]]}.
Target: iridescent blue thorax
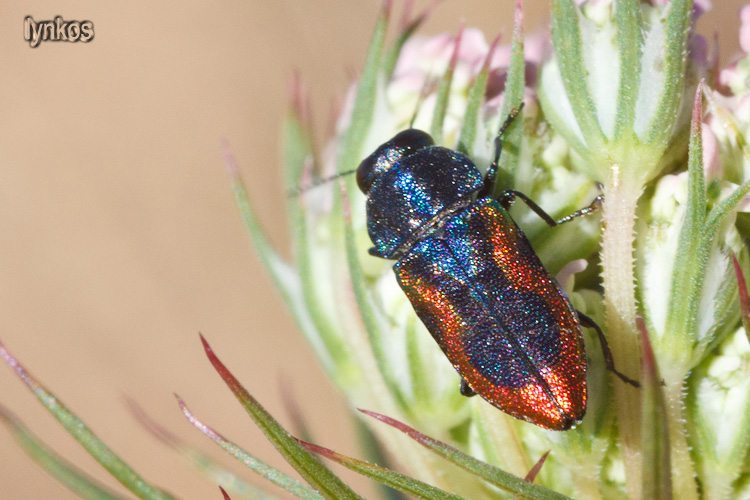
{"points": [[412, 186]]}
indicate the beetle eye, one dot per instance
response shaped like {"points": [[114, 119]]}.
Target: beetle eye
{"points": [[403, 144], [365, 173], [411, 140]]}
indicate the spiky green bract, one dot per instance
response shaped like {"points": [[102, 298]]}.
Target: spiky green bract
{"points": [[68, 474], [497, 477], [319, 477], [213, 470], [384, 476], [93, 445]]}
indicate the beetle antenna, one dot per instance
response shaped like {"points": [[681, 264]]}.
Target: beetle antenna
{"points": [[294, 192], [499, 137]]}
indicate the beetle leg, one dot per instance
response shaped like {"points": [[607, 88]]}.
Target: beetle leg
{"points": [[466, 390], [608, 360], [489, 177], [508, 197]]}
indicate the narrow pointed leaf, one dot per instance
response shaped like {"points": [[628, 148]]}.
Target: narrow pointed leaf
{"points": [[657, 473], [443, 92], [214, 471], [268, 472], [690, 260], [320, 330], [473, 104], [503, 480], [514, 92], [364, 103], [557, 111], [677, 25], [317, 475], [384, 476], [566, 38], [535, 470], [721, 210], [85, 437], [65, 472], [297, 141], [225, 494], [268, 255], [375, 452], [630, 44], [365, 307], [291, 284], [391, 57], [696, 237]]}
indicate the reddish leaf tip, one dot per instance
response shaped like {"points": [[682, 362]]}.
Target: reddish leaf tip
{"points": [[179, 399], [518, 17], [535, 470], [317, 449], [387, 8], [409, 431], [650, 370], [7, 417], [407, 24], [148, 423], [299, 98], [230, 164], [206, 346], [226, 495], [491, 52], [406, 14], [456, 47], [17, 367]]}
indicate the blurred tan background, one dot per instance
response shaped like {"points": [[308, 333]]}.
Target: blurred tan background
{"points": [[120, 240]]}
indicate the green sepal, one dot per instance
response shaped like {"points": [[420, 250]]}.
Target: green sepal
{"points": [[630, 43], [566, 38], [674, 62]]}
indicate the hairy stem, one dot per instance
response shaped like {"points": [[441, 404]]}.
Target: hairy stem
{"points": [[618, 215], [683, 473]]}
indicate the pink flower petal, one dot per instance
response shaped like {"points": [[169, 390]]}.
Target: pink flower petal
{"points": [[745, 29]]}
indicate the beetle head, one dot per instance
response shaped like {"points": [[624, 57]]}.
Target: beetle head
{"points": [[402, 145]]}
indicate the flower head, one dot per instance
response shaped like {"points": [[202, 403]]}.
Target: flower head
{"points": [[608, 98]]}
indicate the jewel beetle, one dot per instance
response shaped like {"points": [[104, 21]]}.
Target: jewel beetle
{"points": [[474, 280]]}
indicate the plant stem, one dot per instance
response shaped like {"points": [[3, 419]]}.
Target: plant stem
{"points": [[683, 473], [618, 215]]}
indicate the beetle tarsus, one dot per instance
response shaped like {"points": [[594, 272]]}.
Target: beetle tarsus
{"points": [[466, 390], [608, 359]]}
